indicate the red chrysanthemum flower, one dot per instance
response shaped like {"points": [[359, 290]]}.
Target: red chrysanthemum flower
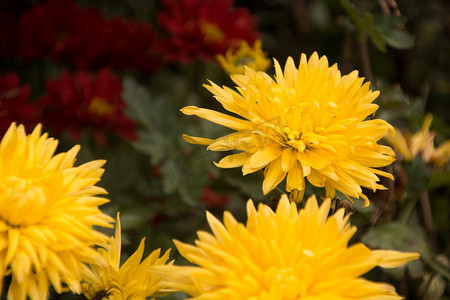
{"points": [[82, 100], [51, 28], [203, 28], [118, 43], [64, 31], [13, 104]]}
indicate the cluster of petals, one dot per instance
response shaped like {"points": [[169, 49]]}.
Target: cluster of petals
{"points": [[287, 254], [48, 210], [82, 37], [132, 280], [201, 29], [307, 122], [81, 100]]}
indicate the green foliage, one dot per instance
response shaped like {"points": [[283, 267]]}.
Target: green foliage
{"points": [[365, 24], [392, 29]]}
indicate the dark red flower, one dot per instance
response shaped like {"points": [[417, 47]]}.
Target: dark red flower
{"points": [[118, 43], [213, 199], [82, 100], [203, 28], [13, 104], [49, 29], [65, 31]]}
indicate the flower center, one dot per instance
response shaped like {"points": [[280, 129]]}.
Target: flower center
{"points": [[293, 139], [284, 281], [22, 202], [100, 107], [212, 33], [303, 140]]}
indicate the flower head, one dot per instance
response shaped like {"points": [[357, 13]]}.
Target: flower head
{"points": [[130, 281], [200, 29], [309, 122], [410, 145], [234, 61], [82, 100], [287, 254], [48, 209]]}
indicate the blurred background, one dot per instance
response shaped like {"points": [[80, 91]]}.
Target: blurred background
{"points": [[112, 75]]}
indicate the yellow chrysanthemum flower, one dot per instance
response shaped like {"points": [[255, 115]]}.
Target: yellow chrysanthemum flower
{"points": [[282, 255], [48, 209], [234, 61], [131, 281], [308, 123], [422, 142]]}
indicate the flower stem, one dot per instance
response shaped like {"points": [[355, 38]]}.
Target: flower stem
{"points": [[426, 210], [407, 212], [365, 58]]}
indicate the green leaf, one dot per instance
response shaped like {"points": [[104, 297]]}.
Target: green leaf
{"points": [[393, 32], [399, 39], [365, 24], [397, 236], [418, 176], [156, 116], [186, 175], [138, 99]]}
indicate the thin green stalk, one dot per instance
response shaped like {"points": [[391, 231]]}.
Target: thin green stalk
{"points": [[407, 212]]}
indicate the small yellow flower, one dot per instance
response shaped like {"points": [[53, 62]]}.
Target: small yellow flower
{"points": [[131, 281], [48, 209], [282, 255], [410, 145], [235, 61], [309, 122]]}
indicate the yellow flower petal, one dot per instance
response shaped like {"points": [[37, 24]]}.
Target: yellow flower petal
{"points": [[197, 140], [295, 178], [264, 156], [393, 259], [273, 176], [234, 160], [216, 117]]}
